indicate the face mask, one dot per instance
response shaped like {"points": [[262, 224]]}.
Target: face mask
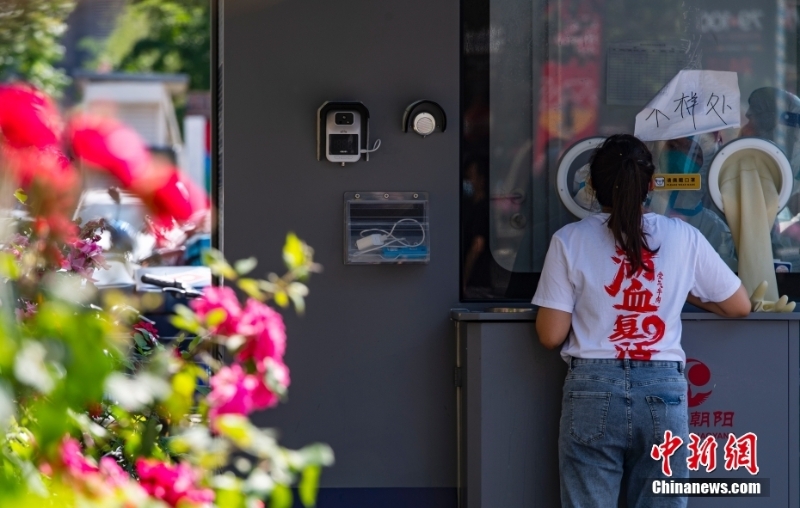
{"points": [[677, 162], [466, 187]]}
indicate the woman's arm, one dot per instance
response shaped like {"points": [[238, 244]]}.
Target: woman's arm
{"points": [[552, 326], [738, 305]]}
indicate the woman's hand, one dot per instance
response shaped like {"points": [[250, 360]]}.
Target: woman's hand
{"points": [[552, 326]]}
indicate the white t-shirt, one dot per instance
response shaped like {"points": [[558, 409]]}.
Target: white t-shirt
{"points": [[637, 317]]}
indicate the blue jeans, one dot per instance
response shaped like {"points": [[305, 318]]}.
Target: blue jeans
{"points": [[613, 412]]}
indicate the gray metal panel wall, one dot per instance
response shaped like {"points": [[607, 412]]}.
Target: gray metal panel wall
{"points": [[512, 408], [372, 361]]}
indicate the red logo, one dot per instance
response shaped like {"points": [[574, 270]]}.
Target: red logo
{"points": [[698, 374]]}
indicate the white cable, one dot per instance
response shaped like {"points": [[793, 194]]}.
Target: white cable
{"points": [[374, 147], [390, 234]]}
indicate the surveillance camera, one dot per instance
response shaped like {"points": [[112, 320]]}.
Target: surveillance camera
{"points": [[343, 136]]}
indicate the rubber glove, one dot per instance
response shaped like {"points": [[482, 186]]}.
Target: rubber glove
{"points": [[759, 305], [750, 198]]}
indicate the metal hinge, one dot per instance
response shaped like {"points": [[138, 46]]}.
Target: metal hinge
{"points": [[457, 377]]}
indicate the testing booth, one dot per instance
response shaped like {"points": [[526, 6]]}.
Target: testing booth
{"points": [[712, 88], [429, 149]]}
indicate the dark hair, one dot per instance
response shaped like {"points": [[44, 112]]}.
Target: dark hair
{"points": [[621, 170]]}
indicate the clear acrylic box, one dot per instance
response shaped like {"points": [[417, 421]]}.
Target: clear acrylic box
{"points": [[386, 228]]}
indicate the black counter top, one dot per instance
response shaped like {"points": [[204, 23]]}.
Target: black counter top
{"points": [[529, 314]]}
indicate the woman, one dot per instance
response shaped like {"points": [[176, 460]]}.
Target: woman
{"points": [[613, 286]]}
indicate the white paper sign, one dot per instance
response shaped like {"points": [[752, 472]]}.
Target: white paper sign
{"points": [[693, 102]]}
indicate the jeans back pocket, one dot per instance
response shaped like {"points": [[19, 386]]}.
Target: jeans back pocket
{"points": [[588, 412], [669, 413]]}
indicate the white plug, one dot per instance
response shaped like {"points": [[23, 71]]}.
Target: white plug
{"points": [[373, 240]]}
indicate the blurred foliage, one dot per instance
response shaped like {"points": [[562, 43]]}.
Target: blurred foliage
{"points": [[96, 411], [169, 36], [30, 31]]}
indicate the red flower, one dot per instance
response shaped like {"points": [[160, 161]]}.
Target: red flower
{"points": [[49, 166], [107, 144], [28, 118], [146, 327], [176, 198], [55, 227]]}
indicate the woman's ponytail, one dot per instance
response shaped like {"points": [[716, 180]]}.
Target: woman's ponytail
{"points": [[621, 170]]}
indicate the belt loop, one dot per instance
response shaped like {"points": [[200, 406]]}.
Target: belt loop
{"points": [[680, 367], [571, 363]]}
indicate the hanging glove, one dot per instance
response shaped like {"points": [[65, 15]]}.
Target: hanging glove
{"points": [[759, 305]]}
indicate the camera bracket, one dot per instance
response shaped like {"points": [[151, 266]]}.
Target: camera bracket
{"points": [[322, 116]]}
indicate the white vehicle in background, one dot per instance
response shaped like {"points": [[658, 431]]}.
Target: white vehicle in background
{"points": [[130, 245]]}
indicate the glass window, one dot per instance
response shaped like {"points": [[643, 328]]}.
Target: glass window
{"points": [[540, 77]]}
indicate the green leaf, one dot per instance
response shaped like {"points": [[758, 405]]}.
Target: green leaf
{"points": [[281, 298], [228, 498], [8, 266], [309, 485], [297, 291], [182, 323], [21, 196], [216, 262], [216, 317], [184, 383], [236, 428], [294, 252], [138, 337], [185, 319], [281, 497], [184, 311], [245, 266], [317, 454], [250, 286]]}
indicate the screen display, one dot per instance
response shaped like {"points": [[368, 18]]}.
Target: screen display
{"points": [[343, 144]]}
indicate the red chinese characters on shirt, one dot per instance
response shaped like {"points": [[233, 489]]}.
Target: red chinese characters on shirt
{"points": [[637, 327]]}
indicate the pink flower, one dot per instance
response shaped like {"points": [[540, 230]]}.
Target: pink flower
{"points": [[263, 396], [75, 463], [17, 245], [84, 257], [27, 311], [234, 392], [265, 332], [222, 298], [173, 484], [114, 475]]}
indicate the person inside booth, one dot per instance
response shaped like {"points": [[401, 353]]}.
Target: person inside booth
{"points": [[610, 294]]}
